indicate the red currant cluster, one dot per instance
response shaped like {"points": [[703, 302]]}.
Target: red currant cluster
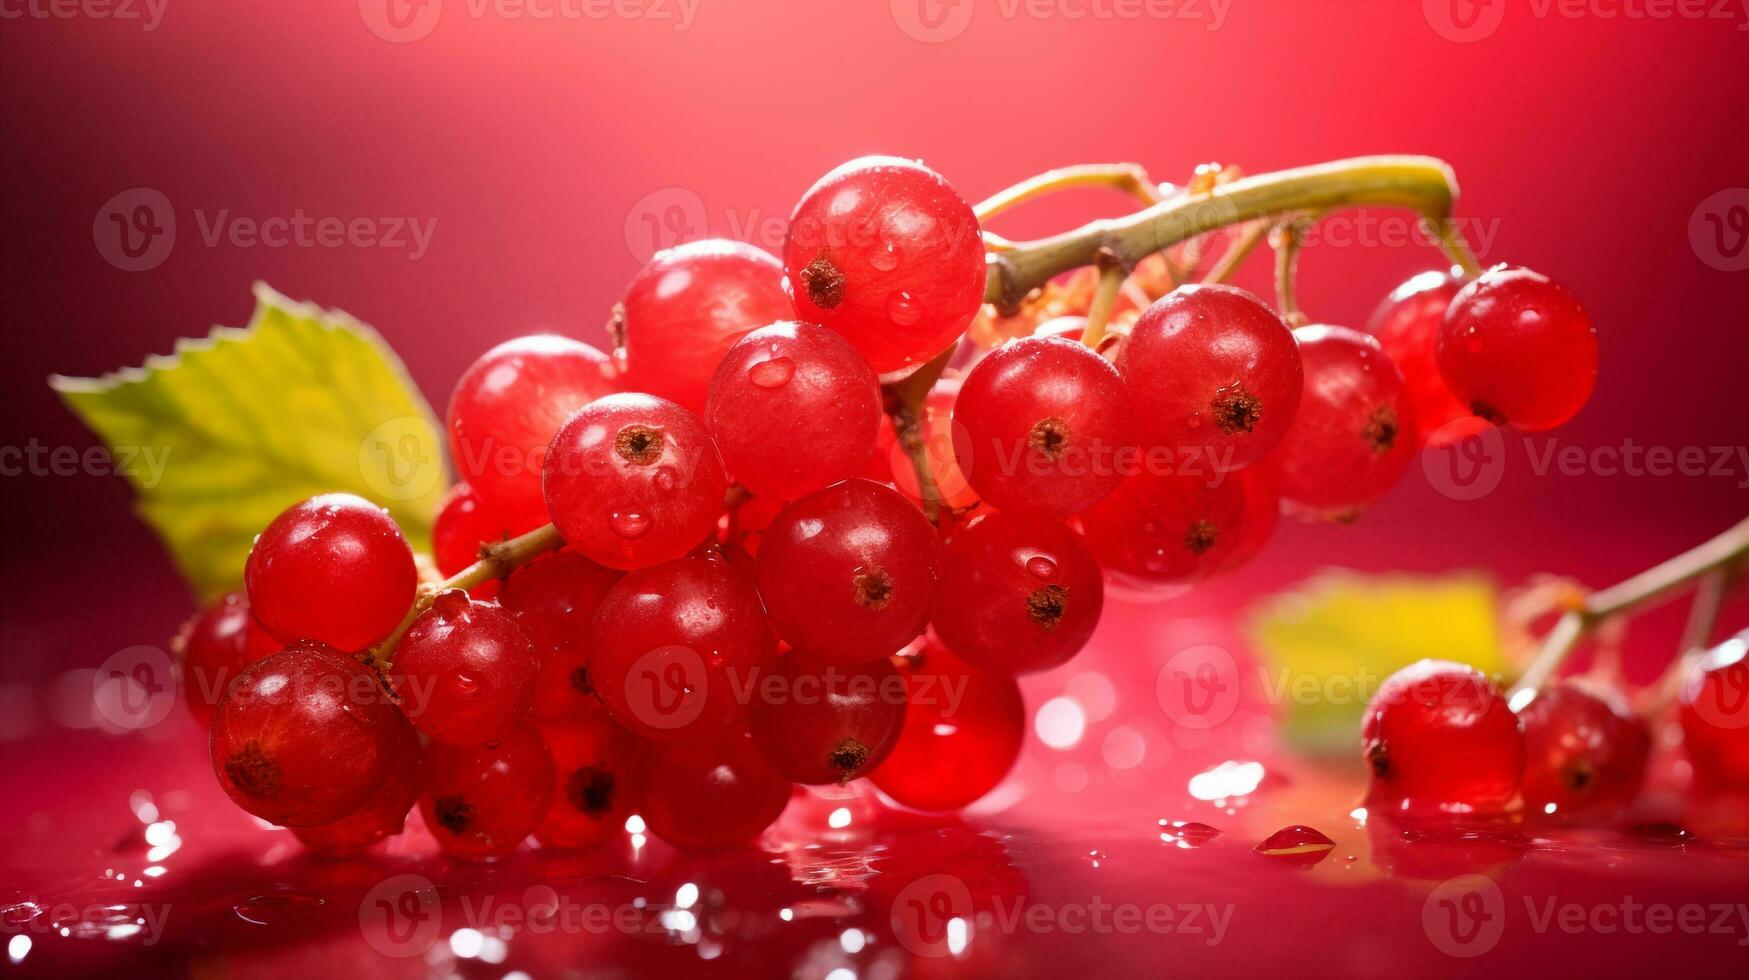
{"points": [[733, 593]]}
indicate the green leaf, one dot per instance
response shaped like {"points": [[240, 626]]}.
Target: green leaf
{"points": [[225, 433]]}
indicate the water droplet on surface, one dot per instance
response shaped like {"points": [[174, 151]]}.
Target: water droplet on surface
{"points": [[629, 526], [1041, 568], [774, 373], [1297, 844], [275, 910], [1187, 834], [902, 309]]}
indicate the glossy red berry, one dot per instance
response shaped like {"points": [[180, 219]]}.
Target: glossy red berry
{"points": [[793, 408], [634, 480], [481, 802], [1044, 424], [555, 597], [885, 252], [848, 572], [1260, 511], [686, 307], [466, 670], [1584, 753], [715, 792], [597, 781], [1519, 349], [1715, 716], [334, 569], [1160, 529], [963, 731], [1407, 325], [1019, 593], [1440, 738], [676, 649], [214, 646], [1352, 438], [819, 723], [383, 815], [304, 737], [1214, 376], [504, 411], [463, 527]]}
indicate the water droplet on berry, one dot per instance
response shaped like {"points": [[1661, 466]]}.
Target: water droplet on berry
{"points": [[629, 526], [465, 685], [1041, 567], [902, 309], [774, 373], [885, 258], [665, 478]]}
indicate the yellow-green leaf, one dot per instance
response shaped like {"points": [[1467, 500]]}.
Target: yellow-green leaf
{"points": [[222, 435], [1328, 645]]}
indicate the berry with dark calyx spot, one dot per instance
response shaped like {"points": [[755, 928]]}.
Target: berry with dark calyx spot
{"points": [[1407, 325], [466, 670], [1164, 529], [885, 252], [504, 411], [848, 572], [1019, 593], [1584, 753], [1519, 349], [385, 813], [963, 731], [304, 737], [793, 408], [714, 792], [1438, 737], [1213, 374], [684, 310], [633, 480], [819, 723], [1714, 712], [481, 802], [674, 647], [597, 781], [1044, 424], [1352, 438], [333, 569], [555, 597], [213, 647]]}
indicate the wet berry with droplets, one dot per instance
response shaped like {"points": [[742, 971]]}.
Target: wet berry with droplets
{"points": [[1407, 325], [466, 670], [481, 802], [793, 408], [1438, 737], [334, 569], [715, 792], [213, 647], [1584, 753], [1165, 529], [555, 597], [963, 730], [1518, 348], [634, 480], [819, 723], [385, 813]]}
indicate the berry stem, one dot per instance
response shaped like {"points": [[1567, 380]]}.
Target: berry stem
{"points": [[1240, 249], [1424, 184], [1285, 239], [1717, 559], [497, 560], [1112, 274], [1129, 178], [906, 402]]}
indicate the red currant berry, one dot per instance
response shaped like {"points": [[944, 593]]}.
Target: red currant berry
{"points": [[1407, 325], [1261, 494], [848, 572], [385, 813], [1715, 716], [794, 408], [716, 792], [885, 252], [466, 670], [463, 527], [1158, 529], [504, 411], [963, 729], [1584, 753], [334, 569], [214, 646], [675, 648], [555, 598], [634, 480], [304, 737], [1044, 424], [1352, 438], [1518, 347], [1214, 375], [481, 802], [822, 723], [1439, 737], [686, 307], [1019, 593], [597, 782]]}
